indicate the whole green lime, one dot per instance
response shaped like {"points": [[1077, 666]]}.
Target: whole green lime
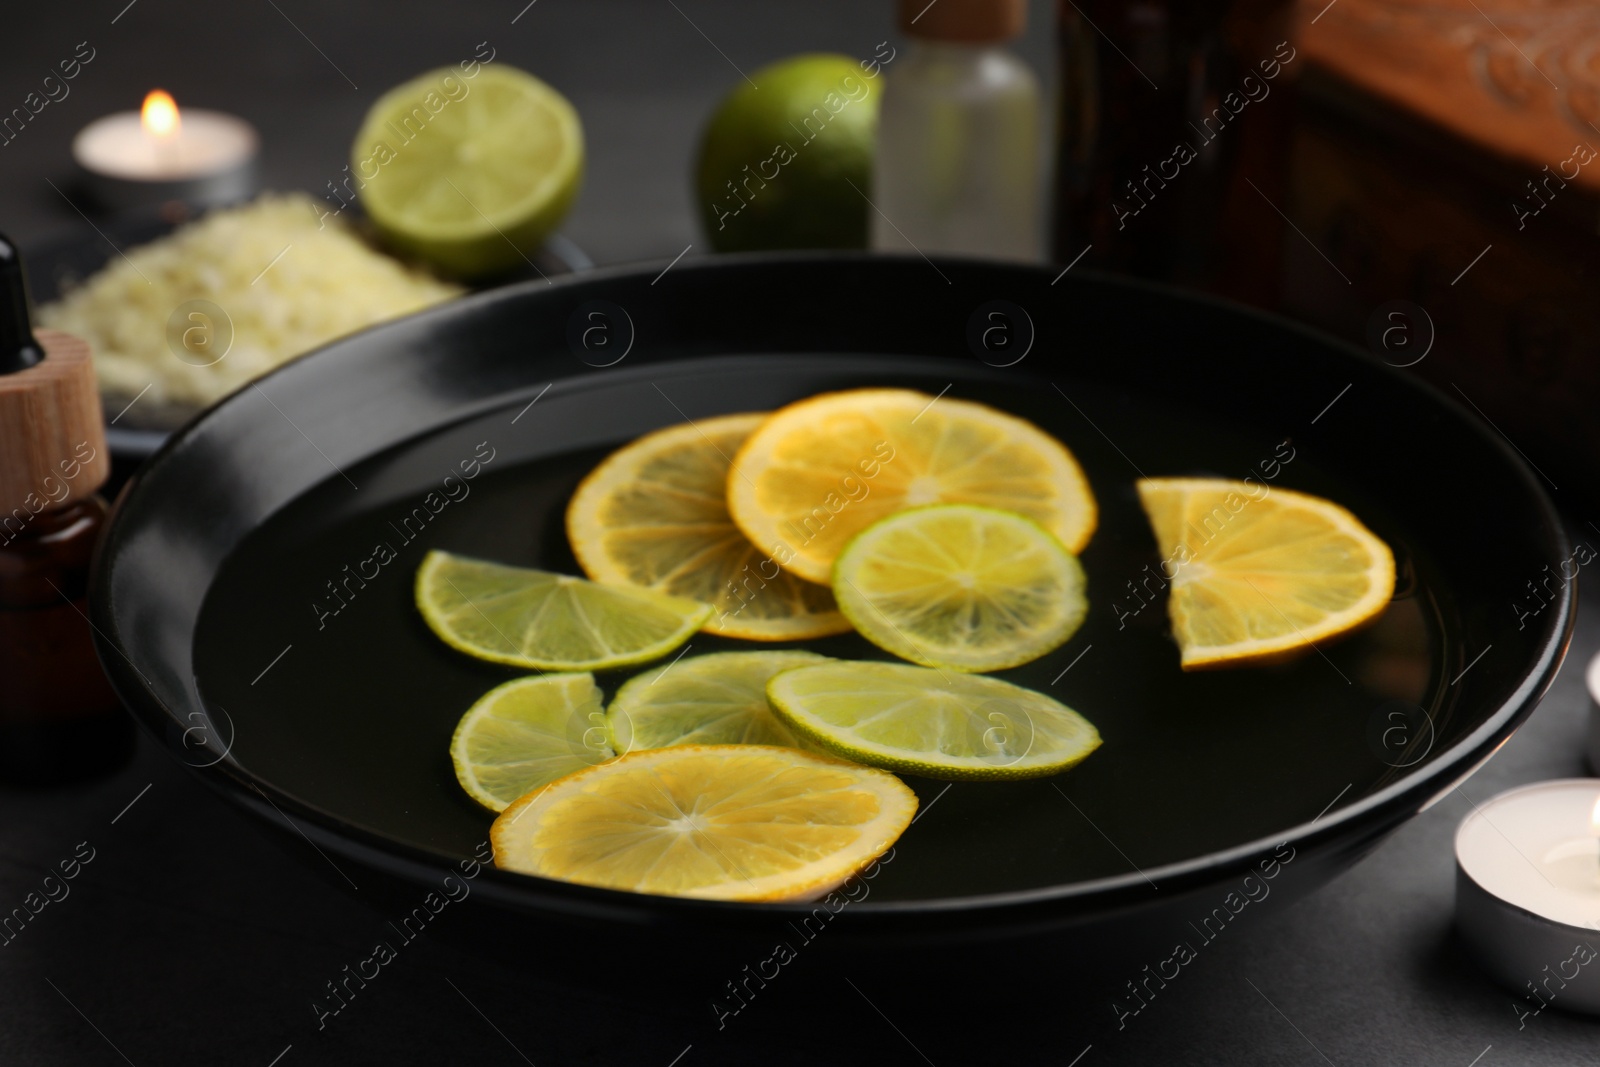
{"points": [[779, 158]]}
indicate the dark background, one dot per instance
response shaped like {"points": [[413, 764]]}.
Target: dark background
{"points": [[191, 939], [643, 78]]}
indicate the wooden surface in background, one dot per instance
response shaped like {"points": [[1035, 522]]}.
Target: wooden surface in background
{"points": [[1426, 166], [1518, 77]]}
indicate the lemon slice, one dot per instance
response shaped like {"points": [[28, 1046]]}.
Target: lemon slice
{"points": [[469, 173], [526, 734], [958, 586], [655, 515], [720, 699], [930, 722], [1260, 573], [533, 618], [719, 822], [820, 471]]}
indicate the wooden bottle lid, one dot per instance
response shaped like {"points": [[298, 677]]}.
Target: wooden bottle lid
{"points": [[965, 21], [52, 432]]}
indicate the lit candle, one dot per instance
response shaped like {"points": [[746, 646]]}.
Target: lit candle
{"points": [[160, 121], [159, 153], [1528, 893]]}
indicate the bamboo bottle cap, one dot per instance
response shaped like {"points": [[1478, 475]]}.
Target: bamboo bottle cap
{"points": [[965, 21], [52, 433]]}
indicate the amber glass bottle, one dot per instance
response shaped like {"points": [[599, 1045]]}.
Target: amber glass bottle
{"points": [[1170, 111], [59, 718], [58, 715]]}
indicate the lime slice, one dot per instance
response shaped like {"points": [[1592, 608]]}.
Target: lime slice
{"points": [[720, 699], [930, 722], [532, 618], [469, 173], [960, 586], [525, 734]]}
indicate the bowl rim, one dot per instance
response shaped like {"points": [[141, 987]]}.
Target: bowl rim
{"points": [[1377, 813]]}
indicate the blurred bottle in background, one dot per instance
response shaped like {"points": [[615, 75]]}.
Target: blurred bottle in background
{"points": [[1170, 110], [958, 154], [59, 718]]}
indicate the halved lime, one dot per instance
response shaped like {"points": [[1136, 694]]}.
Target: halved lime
{"points": [[534, 618], [720, 699], [526, 734], [960, 586], [930, 722], [469, 173]]}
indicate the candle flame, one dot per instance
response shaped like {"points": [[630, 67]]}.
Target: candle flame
{"points": [[159, 116]]}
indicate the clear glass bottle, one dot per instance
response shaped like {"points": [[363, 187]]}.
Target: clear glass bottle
{"points": [[957, 169]]}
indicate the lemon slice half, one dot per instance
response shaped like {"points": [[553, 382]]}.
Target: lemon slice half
{"points": [[1261, 573]]}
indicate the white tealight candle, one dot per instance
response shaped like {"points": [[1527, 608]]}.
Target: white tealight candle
{"points": [[159, 154], [1528, 892]]}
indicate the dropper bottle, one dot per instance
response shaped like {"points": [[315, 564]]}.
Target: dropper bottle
{"points": [[957, 166], [59, 718]]}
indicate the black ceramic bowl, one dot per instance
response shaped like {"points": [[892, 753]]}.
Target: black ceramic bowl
{"points": [[228, 620]]}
